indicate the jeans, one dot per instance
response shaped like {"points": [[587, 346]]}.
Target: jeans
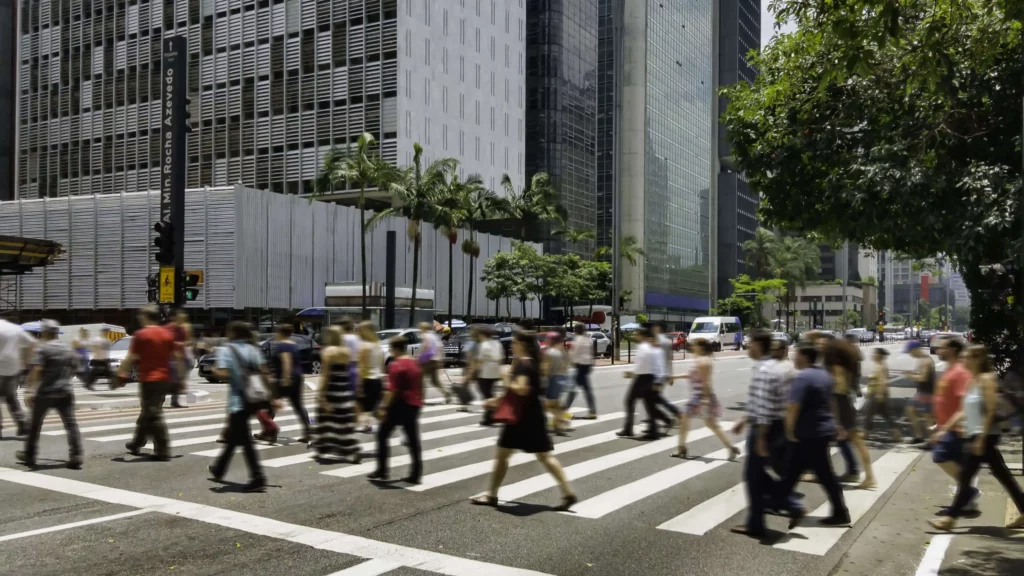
{"points": [[760, 485], [582, 382], [972, 463], [812, 454], [151, 418], [238, 435], [64, 404], [847, 451], [405, 416], [9, 391], [641, 389], [293, 392]]}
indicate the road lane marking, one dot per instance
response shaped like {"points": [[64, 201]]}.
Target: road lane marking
{"points": [[186, 430], [933, 556], [818, 540], [544, 481], [71, 525], [703, 517], [374, 567], [632, 492], [313, 537]]}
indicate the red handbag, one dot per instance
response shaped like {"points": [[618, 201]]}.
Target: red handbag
{"points": [[509, 409]]}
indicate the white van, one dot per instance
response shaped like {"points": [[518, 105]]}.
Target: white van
{"points": [[720, 331]]}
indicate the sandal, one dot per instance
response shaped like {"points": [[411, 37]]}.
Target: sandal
{"points": [[680, 453], [484, 500], [567, 503]]}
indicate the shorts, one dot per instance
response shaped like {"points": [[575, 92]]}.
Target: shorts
{"points": [[556, 384], [698, 407], [949, 448], [923, 403], [372, 391]]}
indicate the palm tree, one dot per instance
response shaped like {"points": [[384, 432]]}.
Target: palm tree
{"points": [[796, 261], [449, 217], [477, 205], [536, 203], [760, 250], [414, 196], [362, 166], [576, 235], [629, 250]]}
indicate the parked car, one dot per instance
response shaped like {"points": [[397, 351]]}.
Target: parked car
{"points": [[118, 352], [600, 341], [456, 345], [933, 342], [678, 340], [783, 337], [862, 334], [411, 335]]}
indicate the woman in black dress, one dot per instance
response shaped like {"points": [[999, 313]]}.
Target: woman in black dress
{"points": [[529, 433]]}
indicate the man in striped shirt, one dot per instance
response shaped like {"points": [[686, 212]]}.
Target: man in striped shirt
{"points": [[765, 413]]}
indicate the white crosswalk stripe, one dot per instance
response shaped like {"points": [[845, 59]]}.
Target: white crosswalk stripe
{"points": [[604, 468]]}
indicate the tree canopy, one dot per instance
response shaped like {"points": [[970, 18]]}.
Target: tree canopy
{"points": [[896, 125]]}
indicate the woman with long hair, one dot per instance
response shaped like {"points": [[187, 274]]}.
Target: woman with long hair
{"points": [[703, 402], [982, 438], [336, 421], [842, 364], [371, 374], [528, 431]]}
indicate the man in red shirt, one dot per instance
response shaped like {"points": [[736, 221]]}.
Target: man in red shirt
{"points": [[153, 348], [401, 408], [947, 400]]}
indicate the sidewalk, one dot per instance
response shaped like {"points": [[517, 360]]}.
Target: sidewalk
{"points": [[899, 541]]}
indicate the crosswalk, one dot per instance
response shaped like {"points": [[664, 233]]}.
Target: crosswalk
{"points": [[610, 474]]}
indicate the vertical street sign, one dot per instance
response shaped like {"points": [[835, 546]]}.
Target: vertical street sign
{"points": [[168, 288], [173, 89]]}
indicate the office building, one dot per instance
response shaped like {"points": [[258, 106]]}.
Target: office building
{"points": [[961, 295], [739, 32], [8, 96], [273, 85], [655, 95], [561, 107]]}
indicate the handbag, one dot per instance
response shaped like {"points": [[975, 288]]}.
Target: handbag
{"points": [[254, 388], [509, 409]]}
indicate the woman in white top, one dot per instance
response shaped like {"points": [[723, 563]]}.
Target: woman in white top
{"points": [[371, 373], [486, 367], [582, 356], [554, 370], [981, 440]]}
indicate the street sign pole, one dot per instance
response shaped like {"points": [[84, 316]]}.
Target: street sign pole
{"points": [[173, 88]]}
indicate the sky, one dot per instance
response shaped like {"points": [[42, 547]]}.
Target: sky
{"points": [[767, 23]]}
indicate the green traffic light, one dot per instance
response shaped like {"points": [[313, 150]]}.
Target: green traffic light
{"points": [[191, 294]]}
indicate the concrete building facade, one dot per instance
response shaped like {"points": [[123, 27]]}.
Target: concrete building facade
{"points": [[273, 85], [8, 97]]}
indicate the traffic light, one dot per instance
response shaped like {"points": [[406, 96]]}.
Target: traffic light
{"points": [[881, 317], [164, 243], [152, 287], [190, 281]]}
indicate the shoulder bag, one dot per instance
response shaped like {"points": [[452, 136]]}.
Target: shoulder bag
{"points": [[254, 387]]}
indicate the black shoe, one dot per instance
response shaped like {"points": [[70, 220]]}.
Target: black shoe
{"points": [[22, 457], [377, 476], [651, 436], [90, 387], [836, 520], [22, 429], [213, 473], [409, 480], [255, 486], [132, 449], [624, 434], [75, 464], [796, 516]]}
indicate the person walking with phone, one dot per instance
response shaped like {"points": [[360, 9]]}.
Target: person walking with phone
{"points": [[153, 348], [49, 386], [336, 421], [400, 408], [237, 363]]}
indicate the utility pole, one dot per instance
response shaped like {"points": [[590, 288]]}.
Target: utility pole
{"points": [[846, 278], [617, 56]]}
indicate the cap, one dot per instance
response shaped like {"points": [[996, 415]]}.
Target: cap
{"points": [[49, 326], [912, 345]]}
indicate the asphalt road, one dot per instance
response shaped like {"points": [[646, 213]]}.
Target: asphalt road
{"points": [[640, 511]]}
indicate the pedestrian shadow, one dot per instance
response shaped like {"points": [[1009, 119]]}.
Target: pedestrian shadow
{"points": [[1005, 557], [966, 514], [524, 510], [50, 465], [229, 487], [391, 484], [142, 458]]}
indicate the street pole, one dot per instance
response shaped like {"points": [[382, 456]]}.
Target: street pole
{"points": [[846, 279], [617, 55]]}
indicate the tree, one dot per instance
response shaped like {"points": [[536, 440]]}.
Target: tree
{"points": [[414, 195], [576, 235], [961, 317], [852, 319], [477, 205], [896, 125], [563, 279], [449, 216], [760, 251], [597, 279], [897, 320], [530, 268], [796, 261], [763, 292], [738, 306], [501, 278], [536, 204], [361, 166]]}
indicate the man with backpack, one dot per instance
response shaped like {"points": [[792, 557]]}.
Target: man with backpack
{"points": [[241, 365]]}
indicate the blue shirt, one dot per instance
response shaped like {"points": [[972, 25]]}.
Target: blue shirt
{"points": [[812, 389], [285, 347], [250, 356]]}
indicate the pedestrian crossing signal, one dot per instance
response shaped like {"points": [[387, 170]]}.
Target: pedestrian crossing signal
{"points": [[191, 281]]}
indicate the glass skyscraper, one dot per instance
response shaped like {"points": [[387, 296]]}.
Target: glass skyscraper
{"points": [[655, 139]]}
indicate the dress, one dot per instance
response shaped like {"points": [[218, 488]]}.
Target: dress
{"points": [[335, 429], [844, 404], [698, 399], [530, 433]]}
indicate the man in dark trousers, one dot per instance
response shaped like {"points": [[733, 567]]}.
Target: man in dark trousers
{"points": [[400, 408], [810, 428], [49, 386], [153, 348]]}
